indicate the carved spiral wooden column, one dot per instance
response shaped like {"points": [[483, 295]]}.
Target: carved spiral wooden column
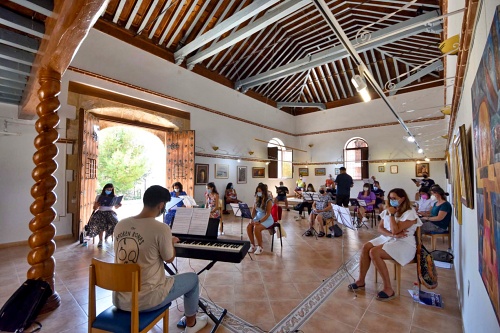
{"points": [[43, 231]]}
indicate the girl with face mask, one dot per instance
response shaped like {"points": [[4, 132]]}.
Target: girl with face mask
{"points": [[177, 192], [369, 198], [103, 218], [212, 201], [397, 242], [261, 218], [230, 196], [424, 203]]}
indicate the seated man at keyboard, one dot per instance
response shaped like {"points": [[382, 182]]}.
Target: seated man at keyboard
{"points": [[149, 243]]}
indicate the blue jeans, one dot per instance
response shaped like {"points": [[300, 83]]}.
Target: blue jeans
{"points": [[184, 284]]}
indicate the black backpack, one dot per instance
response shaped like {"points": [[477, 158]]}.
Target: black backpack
{"points": [[22, 308], [336, 231]]}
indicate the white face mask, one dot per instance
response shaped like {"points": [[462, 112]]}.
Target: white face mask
{"points": [[433, 197], [366, 188], [176, 189]]}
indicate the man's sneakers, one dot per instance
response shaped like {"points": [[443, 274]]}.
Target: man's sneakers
{"points": [[201, 322]]}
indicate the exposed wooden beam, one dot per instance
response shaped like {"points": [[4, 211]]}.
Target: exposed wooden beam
{"points": [[120, 120], [65, 30]]}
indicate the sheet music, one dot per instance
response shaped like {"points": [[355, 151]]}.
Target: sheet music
{"points": [[362, 203], [236, 209], [188, 201], [191, 221], [172, 203], [343, 216], [310, 196]]}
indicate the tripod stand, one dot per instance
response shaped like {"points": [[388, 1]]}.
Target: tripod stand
{"points": [[343, 217]]}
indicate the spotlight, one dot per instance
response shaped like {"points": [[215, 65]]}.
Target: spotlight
{"points": [[420, 150], [361, 87], [239, 160], [427, 159], [410, 139]]}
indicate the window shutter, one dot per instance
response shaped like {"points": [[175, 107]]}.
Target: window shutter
{"points": [[365, 170]]}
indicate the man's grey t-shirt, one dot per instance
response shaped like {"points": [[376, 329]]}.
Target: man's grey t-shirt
{"points": [[344, 182]]}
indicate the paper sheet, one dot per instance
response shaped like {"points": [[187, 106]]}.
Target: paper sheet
{"points": [[191, 221]]}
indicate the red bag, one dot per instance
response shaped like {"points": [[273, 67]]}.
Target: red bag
{"points": [[276, 212]]}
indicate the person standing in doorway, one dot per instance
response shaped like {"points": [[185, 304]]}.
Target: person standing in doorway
{"points": [[344, 183], [103, 218]]}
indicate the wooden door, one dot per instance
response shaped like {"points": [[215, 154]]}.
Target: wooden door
{"points": [[180, 159], [88, 147]]}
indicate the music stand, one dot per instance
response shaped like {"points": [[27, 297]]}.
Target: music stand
{"points": [[311, 196], [243, 211], [343, 217]]}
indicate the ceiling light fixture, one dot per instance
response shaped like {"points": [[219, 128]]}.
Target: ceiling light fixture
{"points": [[239, 160], [361, 87], [427, 159], [410, 139], [420, 150], [215, 148]]}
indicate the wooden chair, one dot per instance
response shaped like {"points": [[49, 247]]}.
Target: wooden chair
{"points": [[435, 236], [397, 266], [122, 278]]}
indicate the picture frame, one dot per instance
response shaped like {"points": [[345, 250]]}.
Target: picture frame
{"points": [[467, 197], [241, 174], [201, 174], [394, 169], [320, 171], [381, 168], [303, 172], [258, 172], [337, 171], [457, 186], [421, 168], [221, 171]]}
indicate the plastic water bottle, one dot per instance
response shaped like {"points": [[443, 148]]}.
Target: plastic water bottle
{"points": [[415, 292]]}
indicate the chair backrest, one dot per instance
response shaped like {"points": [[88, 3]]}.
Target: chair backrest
{"points": [[116, 277]]}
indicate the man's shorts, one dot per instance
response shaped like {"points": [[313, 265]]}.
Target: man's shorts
{"points": [[281, 197]]}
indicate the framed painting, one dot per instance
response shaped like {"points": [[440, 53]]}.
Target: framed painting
{"points": [[201, 174], [303, 172], [221, 171], [258, 172], [394, 169], [465, 177], [421, 168], [457, 185], [486, 175], [381, 168], [337, 171], [320, 171], [241, 172]]}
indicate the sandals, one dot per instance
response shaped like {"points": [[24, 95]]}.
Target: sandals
{"points": [[383, 297], [308, 233], [354, 286], [321, 234]]}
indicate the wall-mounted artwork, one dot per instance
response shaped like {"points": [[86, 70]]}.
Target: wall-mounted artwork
{"points": [[381, 168], [337, 171], [457, 186], [258, 172], [394, 169], [320, 171], [421, 168], [466, 165], [201, 174], [241, 173], [303, 172], [221, 171], [486, 134]]}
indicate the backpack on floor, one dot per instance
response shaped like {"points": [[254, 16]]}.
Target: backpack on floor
{"points": [[22, 308], [336, 231]]}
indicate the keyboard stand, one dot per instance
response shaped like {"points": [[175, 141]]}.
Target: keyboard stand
{"points": [[216, 320]]}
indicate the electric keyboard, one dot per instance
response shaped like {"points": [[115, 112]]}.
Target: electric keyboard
{"points": [[226, 250]]}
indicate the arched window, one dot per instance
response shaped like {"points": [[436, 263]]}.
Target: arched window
{"points": [[356, 158], [280, 164]]}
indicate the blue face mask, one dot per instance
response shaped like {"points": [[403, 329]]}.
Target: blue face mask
{"points": [[259, 194], [375, 188], [394, 203], [209, 190], [108, 192]]}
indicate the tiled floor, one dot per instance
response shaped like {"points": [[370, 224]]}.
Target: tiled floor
{"points": [[260, 291]]}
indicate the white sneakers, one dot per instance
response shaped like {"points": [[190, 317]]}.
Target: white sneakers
{"points": [[255, 249], [364, 219], [200, 323]]}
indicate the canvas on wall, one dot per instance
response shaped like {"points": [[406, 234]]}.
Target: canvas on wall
{"points": [[486, 136]]}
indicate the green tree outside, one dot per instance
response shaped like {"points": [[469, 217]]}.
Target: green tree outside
{"points": [[121, 160]]}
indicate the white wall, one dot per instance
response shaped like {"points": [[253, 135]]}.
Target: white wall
{"points": [[477, 311]]}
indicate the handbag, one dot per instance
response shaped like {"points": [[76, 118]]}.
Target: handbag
{"points": [[427, 273], [443, 256]]}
